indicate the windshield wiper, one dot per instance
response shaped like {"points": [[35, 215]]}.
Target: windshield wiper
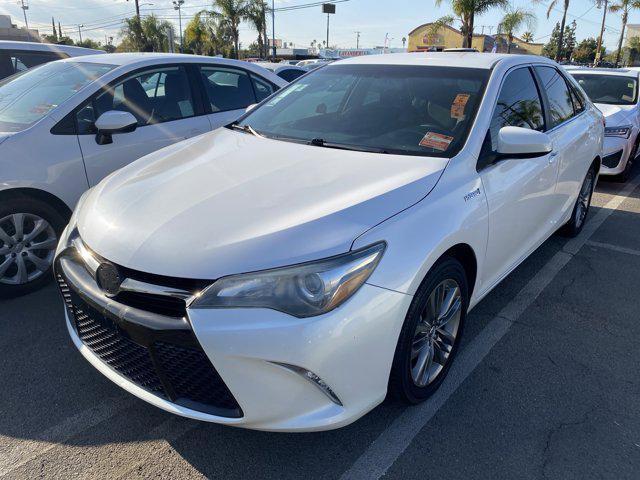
{"points": [[244, 128], [320, 142]]}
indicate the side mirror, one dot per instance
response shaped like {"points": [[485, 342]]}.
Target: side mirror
{"points": [[518, 142], [250, 107], [113, 122]]}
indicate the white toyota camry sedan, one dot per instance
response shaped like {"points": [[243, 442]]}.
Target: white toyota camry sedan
{"points": [[289, 271]]}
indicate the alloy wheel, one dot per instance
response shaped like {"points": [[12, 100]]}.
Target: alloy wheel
{"points": [[584, 199], [27, 247], [435, 333]]}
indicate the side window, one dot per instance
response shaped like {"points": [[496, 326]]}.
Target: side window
{"points": [[262, 88], [290, 74], [153, 96], [576, 98], [227, 88], [560, 101], [518, 105], [25, 60]]}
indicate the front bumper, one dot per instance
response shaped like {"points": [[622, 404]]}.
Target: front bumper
{"points": [[251, 352], [611, 147]]}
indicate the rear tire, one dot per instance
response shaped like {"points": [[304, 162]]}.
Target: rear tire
{"points": [[430, 333], [29, 232], [581, 208]]}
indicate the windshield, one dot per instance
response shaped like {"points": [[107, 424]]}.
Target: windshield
{"points": [[402, 109], [611, 89], [27, 97]]}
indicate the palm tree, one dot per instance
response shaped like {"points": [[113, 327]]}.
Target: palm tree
{"points": [[467, 10], [551, 6], [147, 35], [512, 21], [527, 37], [624, 6], [256, 14], [230, 13]]}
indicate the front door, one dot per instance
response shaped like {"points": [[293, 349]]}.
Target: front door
{"points": [[161, 99], [519, 192]]}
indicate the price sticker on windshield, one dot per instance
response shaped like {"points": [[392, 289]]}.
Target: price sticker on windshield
{"points": [[436, 141], [458, 105]]}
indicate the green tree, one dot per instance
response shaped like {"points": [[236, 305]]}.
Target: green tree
{"points": [[513, 21], [527, 37], [466, 11], [230, 14], [551, 49], [633, 51], [196, 35], [623, 6], [586, 50], [147, 35], [256, 15], [88, 43], [560, 41]]}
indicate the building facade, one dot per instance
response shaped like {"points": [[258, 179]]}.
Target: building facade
{"points": [[10, 31], [424, 38]]}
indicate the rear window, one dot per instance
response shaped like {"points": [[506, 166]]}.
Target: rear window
{"points": [[27, 97]]}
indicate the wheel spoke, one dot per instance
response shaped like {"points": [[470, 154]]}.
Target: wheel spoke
{"points": [[48, 244], [454, 309], [41, 264], [4, 250], [4, 236], [423, 364], [18, 224], [39, 227], [22, 275]]}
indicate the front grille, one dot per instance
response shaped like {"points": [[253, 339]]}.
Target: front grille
{"points": [[128, 358], [160, 304], [178, 371], [612, 161]]}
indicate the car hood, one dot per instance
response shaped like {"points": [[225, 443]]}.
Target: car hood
{"points": [[229, 202], [616, 114], [4, 136]]}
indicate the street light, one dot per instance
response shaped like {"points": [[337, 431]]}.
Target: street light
{"points": [[177, 5]]}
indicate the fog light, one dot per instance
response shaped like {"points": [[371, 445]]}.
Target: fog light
{"points": [[314, 379]]}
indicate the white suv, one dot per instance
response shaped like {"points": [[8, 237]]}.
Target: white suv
{"points": [[288, 271], [67, 124]]}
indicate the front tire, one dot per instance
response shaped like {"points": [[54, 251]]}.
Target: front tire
{"points": [[431, 333], [29, 233]]}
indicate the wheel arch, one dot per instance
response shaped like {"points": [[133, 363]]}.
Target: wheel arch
{"points": [[39, 195], [597, 162], [464, 253]]}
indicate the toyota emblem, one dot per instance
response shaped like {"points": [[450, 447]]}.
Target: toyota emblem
{"points": [[108, 278]]}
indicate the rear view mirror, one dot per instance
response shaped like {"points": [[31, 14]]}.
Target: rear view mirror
{"points": [[112, 122], [518, 142]]}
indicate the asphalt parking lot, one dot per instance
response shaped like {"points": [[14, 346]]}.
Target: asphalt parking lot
{"points": [[547, 385]]}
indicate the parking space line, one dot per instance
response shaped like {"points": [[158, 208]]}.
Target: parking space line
{"points": [[615, 248], [20, 450], [394, 440]]}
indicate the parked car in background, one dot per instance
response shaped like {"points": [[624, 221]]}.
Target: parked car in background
{"points": [[17, 57], [284, 71], [290, 270], [615, 92], [66, 125]]}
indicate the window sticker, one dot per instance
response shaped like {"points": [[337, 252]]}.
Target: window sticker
{"points": [[627, 98], [630, 85], [458, 105], [436, 141]]}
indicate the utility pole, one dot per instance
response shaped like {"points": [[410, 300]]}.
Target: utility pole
{"points": [[24, 11], [357, 40], [177, 5], [599, 4], [273, 29], [80, 32], [137, 9]]}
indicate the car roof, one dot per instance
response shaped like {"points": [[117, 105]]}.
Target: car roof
{"points": [[48, 47], [446, 59], [622, 72], [138, 60]]}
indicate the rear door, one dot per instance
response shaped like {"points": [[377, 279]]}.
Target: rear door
{"points": [[520, 192], [229, 91], [163, 101], [572, 133]]}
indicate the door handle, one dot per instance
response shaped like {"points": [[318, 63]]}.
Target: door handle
{"points": [[552, 157]]}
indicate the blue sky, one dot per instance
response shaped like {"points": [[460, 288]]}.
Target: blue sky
{"points": [[373, 18]]}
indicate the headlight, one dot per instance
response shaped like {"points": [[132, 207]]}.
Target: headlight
{"points": [[303, 290], [623, 132]]}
